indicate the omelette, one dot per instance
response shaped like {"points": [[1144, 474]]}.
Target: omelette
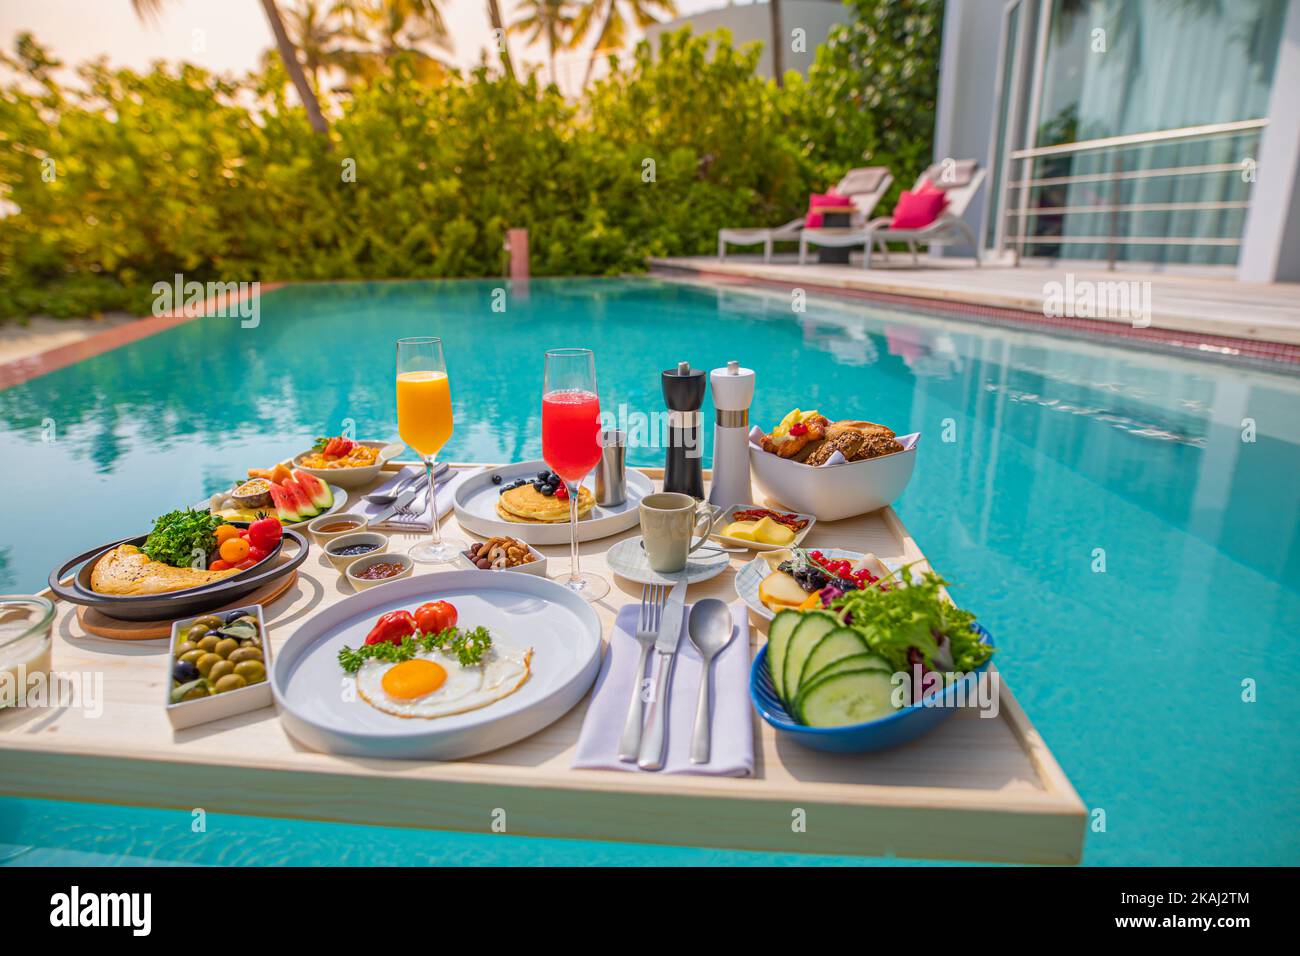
{"points": [[527, 505], [127, 571]]}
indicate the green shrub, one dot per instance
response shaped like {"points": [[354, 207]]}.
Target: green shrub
{"points": [[128, 178]]}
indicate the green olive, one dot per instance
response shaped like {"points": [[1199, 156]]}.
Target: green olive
{"points": [[183, 648], [194, 693], [229, 682], [245, 654], [194, 633], [210, 642], [194, 655], [208, 621], [220, 669], [206, 663], [224, 647], [252, 671]]}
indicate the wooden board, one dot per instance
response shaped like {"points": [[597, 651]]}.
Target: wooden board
{"points": [[101, 625], [975, 789]]}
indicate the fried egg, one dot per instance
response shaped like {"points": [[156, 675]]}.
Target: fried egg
{"points": [[434, 684]]}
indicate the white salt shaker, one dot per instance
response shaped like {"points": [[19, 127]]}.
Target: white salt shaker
{"points": [[733, 393]]}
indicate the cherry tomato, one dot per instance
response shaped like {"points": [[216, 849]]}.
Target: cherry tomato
{"points": [[246, 564], [392, 627], [257, 554], [265, 533], [225, 532], [435, 616], [219, 565], [234, 550]]}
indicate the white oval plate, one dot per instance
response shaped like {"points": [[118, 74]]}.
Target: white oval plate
{"points": [[521, 611], [752, 574], [340, 499], [627, 559], [727, 518], [475, 503]]}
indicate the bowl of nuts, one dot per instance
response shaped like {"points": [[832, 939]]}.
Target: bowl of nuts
{"points": [[503, 553]]}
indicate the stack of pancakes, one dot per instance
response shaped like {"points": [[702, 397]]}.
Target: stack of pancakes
{"points": [[527, 505]]}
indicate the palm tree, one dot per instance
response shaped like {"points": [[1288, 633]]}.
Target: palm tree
{"points": [[315, 31], [149, 9], [778, 40], [499, 31], [549, 20], [394, 28], [613, 24]]}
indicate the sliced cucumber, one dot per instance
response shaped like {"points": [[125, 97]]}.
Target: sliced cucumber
{"points": [[854, 662], [841, 642], [806, 636], [850, 697], [778, 636]]}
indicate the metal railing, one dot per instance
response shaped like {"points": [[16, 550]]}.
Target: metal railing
{"points": [[1021, 218]]}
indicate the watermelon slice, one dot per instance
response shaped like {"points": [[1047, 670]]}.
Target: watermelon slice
{"points": [[301, 499], [317, 490], [286, 505]]}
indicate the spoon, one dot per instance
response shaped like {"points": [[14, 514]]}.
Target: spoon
{"points": [[710, 630], [406, 484]]}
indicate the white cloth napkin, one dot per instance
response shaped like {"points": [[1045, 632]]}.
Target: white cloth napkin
{"points": [[731, 751], [448, 482]]}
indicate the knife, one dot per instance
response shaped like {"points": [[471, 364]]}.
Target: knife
{"points": [[651, 756]]}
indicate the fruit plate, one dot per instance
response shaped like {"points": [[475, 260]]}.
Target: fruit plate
{"points": [[728, 516], [751, 575], [340, 501], [318, 707], [475, 501], [357, 477]]}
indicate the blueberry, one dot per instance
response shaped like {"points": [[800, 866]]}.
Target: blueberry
{"points": [[543, 475], [547, 489], [496, 479]]}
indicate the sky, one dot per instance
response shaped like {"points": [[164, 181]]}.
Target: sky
{"points": [[228, 35]]}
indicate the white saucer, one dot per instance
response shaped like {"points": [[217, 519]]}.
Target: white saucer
{"points": [[628, 560]]}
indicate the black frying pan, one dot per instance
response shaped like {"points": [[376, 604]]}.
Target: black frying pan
{"points": [[174, 604]]}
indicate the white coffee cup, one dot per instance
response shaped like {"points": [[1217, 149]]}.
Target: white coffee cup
{"points": [[668, 522]]}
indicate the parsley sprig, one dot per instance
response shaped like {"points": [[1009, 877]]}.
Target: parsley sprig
{"points": [[467, 647]]}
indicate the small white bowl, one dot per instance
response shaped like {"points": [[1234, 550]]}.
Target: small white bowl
{"points": [[365, 561], [535, 566], [323, 538], [833, 492], [353, 477], [341, 561], [188, 713]]}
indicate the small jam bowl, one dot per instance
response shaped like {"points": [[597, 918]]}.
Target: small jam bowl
{"points": [[316, 527], [360, 564], [341, 561]]}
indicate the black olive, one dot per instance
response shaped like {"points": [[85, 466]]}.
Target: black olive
{"points": [[184, 671]]}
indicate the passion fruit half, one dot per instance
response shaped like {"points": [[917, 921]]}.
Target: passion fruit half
{"points": [[255, 493]]}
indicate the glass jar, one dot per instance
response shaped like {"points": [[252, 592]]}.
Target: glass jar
{"points": [[26, 626]]}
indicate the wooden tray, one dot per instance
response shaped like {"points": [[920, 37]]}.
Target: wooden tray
{"points": [[975, 789]]}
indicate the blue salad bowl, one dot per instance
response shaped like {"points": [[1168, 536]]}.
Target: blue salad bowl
{"points": [[900, 727]]}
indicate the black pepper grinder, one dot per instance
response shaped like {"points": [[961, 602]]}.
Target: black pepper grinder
{"points": [[684, 394]]}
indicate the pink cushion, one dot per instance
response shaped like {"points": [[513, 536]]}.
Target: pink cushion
{"points": [[815, 217], [916, 210]]}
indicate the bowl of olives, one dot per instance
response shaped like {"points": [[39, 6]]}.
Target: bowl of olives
{"points": [[217, 666]]}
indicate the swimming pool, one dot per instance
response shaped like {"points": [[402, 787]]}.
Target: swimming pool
{"points": [[1041, 458]]}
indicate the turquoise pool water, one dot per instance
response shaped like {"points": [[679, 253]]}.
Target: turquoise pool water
{"points": [[1040, 455]]}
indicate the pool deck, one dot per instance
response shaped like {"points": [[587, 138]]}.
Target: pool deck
{"points": [[1211, 313], [978, 787]]}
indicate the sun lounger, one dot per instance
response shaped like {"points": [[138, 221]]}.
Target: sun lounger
{"points": [[865, 186], [960, 180]]}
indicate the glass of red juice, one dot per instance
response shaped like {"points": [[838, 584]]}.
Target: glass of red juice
{"points": [[571, 444]]}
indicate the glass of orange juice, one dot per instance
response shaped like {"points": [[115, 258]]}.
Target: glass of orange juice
{"points": [[424, 422]]}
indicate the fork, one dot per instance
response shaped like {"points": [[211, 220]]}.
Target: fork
{"points": [[653, 597]]}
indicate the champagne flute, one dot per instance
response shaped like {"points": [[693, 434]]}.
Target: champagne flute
{"points": [[424, 421], [571, 444]]}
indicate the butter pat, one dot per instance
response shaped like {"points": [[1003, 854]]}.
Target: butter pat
{"points": [[772, 532], [744, 530]]}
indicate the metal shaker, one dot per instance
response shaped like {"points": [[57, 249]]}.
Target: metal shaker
{"points": [[611, 470]]}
